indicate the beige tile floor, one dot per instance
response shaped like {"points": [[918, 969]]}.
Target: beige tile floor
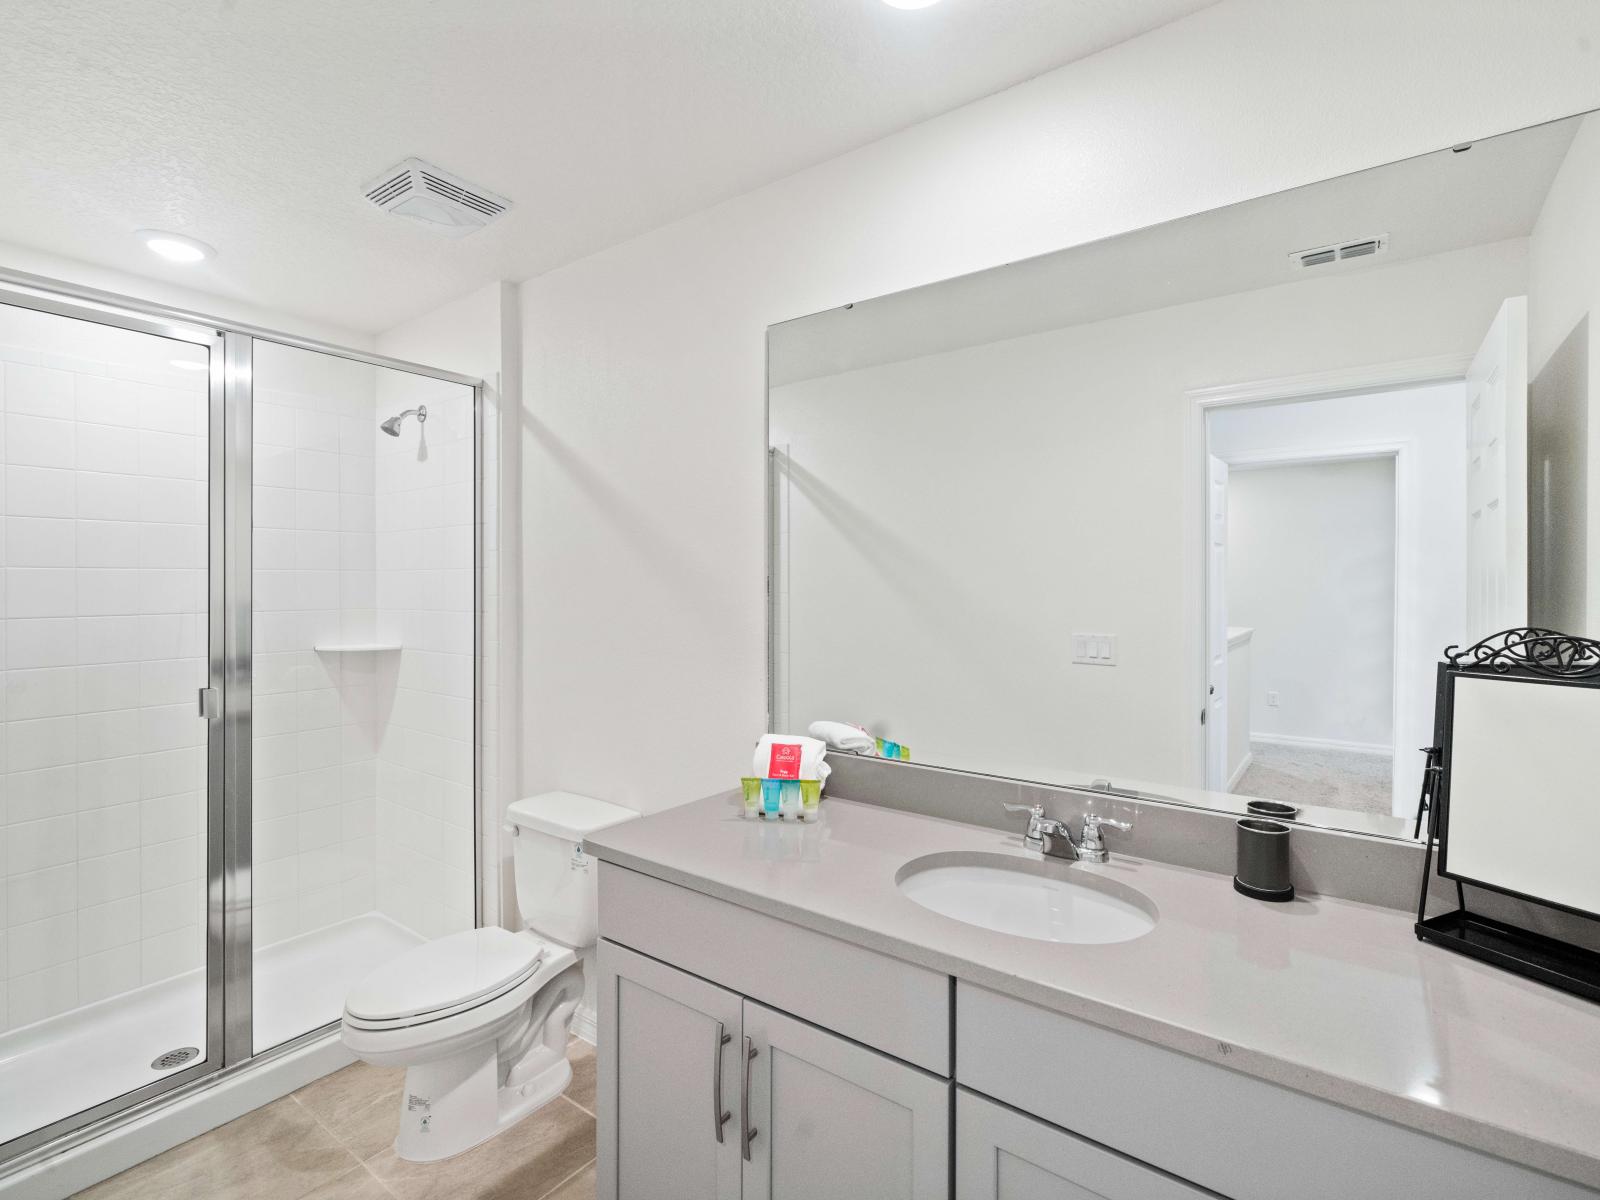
{"points": [[332, 1140]]}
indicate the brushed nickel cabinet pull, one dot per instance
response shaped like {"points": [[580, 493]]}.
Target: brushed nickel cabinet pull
{"points": [[748, 1131], [720, 1117]]}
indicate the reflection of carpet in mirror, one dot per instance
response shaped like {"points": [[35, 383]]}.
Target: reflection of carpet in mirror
{"points": [[1308, 775]]}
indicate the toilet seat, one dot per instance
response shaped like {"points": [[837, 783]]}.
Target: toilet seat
{"points": [[446, 977]]}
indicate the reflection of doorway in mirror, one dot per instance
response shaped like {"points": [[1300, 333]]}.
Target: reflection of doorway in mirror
{"points": [[1346, 575], [1309, 591]]}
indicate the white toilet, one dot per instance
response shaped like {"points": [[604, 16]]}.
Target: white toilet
{"points": [[480, 1019]]}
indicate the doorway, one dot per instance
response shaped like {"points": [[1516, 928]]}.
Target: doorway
{"points": [[1309, 592]]}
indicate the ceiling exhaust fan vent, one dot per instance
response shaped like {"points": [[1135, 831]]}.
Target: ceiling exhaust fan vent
{"points": [[444, 202], [1322, 256]]}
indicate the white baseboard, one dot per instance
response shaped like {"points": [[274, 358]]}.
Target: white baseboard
{"points": [[197, 1112], [1244, 765], [1312, 743], [584, 1024]]}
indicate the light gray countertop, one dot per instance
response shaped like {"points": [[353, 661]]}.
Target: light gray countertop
{"points": [[1329, 997]]}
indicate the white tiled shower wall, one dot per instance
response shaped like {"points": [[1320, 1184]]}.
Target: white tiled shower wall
{"points": [[104, 554], [317, 714], [363, 761], [425, 564]]}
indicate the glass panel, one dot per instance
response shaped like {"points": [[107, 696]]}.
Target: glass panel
{"points": [[363, 682], [103, 819]]}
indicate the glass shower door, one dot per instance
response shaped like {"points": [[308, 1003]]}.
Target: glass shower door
{"points": [[110, 914]]}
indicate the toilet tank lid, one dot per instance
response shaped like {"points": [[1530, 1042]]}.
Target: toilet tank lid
{"points": [[566, 814]]}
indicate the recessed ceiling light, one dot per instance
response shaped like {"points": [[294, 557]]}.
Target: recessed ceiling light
{"points": [[174, 247], [911, 3], [189, 364]]}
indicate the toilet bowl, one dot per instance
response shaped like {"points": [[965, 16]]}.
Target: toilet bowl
{"points": [[480, 1018]]}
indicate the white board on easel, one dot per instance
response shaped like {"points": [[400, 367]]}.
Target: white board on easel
{"points": [[1524, 801]]}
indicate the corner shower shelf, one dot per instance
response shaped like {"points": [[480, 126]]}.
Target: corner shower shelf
{"points": [[355, 647]]}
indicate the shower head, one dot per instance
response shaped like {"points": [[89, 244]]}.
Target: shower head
{"points": [[392, 425]]}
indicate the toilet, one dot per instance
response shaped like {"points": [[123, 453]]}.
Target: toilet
{"points": [[480, 1019]]}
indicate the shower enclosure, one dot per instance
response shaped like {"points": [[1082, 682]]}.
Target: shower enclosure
{"points": [[239, 748]]}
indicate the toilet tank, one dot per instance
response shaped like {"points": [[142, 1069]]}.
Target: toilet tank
{"points": [[557, 883]]}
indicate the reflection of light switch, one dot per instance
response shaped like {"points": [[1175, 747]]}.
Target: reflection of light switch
{"points": [[1095, 649]]}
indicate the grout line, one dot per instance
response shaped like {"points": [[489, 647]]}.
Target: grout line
{"points": [[580, 1108], [343, 1145], [567, 1180], [323, 1125]]}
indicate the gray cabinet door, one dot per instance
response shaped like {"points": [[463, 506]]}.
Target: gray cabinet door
{"points": [[1003, 1155], [831, 1118], [669, 1044]]}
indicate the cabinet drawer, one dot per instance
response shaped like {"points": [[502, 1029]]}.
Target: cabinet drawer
{"points": [[1005, 1155], [1242, 1137], [901, 1009]]}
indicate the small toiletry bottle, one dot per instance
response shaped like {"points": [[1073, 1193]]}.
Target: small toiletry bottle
{"points": [[771, 799], [791, 799], [810, 798], [752, 796]]}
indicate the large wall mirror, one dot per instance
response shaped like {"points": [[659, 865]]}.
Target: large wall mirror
{"points": [[1194, 511]]}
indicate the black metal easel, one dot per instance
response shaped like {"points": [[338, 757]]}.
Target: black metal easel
{"points": [[1529, 655]]}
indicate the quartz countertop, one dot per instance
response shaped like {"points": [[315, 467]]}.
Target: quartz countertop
{"points": [[1331, 998]]}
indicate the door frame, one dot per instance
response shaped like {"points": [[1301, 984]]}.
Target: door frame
{"points": [[1199, 403]]}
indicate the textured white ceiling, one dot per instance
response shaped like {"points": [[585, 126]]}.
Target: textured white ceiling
{"points": [[252, 124]]}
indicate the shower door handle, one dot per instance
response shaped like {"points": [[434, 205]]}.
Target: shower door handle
{"points": [[210, 703]]}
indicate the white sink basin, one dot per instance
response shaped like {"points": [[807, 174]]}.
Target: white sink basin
{"points": [[1047, 901]]}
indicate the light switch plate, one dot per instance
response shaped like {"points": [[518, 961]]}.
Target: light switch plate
{"points": [[1094, 649]]}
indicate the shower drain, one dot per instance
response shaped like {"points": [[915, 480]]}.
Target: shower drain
{"points": [[175, 1058]]}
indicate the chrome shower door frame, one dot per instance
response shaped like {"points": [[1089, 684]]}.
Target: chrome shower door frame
{"points": [[229, 849], [210, 339]]}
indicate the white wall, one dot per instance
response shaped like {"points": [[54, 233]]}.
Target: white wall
{"points": [[1311, 571], [644, 472], [1429, 424], [1564, 404], [951, 520]]}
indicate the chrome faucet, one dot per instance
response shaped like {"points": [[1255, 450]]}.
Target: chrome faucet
{"points": [[1091, 846], [1046, 835], [1044, 832]]}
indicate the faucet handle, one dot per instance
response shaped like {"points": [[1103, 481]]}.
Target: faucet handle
{"points": [[1092, 823], [1030, 810]]}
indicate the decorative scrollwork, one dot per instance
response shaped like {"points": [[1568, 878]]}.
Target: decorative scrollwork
{"points": [[1536, 651]]}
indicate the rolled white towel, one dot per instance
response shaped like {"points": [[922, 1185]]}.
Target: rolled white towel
{"points": [[841, 736]]}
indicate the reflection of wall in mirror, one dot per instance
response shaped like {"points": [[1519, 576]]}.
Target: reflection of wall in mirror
{"points": [[953, 518], [1311, 570], [1564, 374]]}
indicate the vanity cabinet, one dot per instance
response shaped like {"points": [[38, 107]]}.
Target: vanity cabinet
{"points": [[875, 1078], [1002, 1154], [713, 1095]]}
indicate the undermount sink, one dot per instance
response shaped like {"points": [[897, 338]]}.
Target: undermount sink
{"points": [[1046, 900]]}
